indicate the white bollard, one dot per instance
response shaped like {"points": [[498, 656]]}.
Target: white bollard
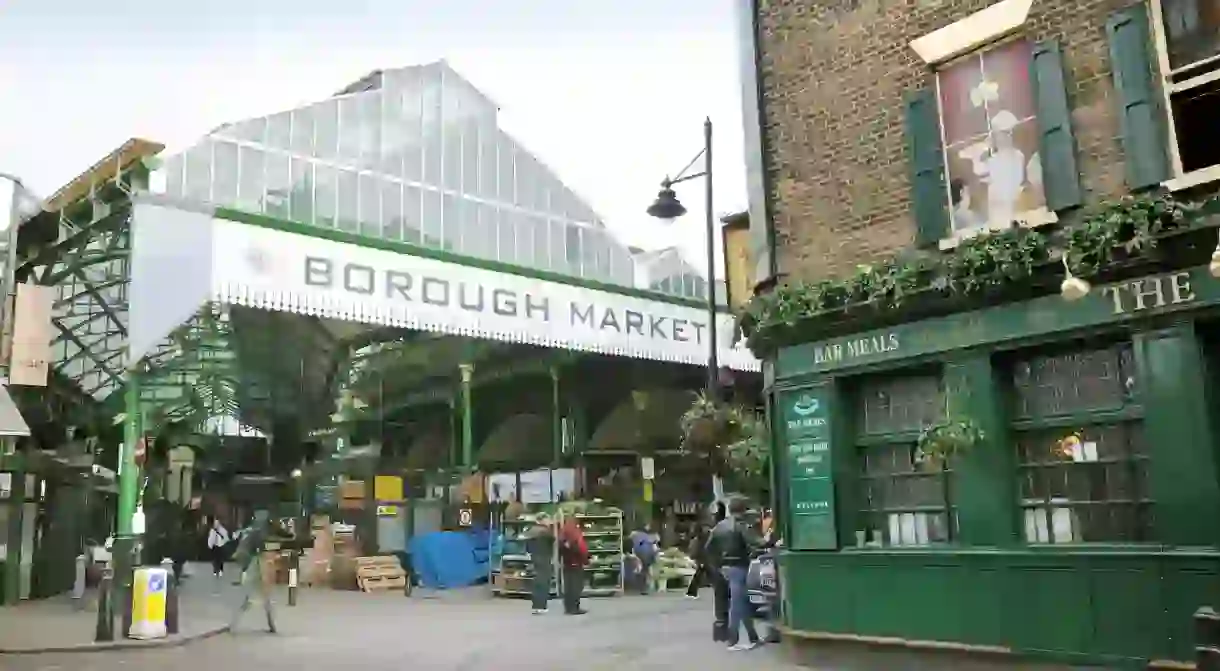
{"points": [[78, 586]]}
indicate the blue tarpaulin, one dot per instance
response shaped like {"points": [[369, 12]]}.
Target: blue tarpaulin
{"points": [[447, 559]]}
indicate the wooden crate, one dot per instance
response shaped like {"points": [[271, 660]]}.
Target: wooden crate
{"points": [[380, 574]]}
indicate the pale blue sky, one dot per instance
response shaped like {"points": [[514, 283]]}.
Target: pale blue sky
{"points": [[610, 94]]}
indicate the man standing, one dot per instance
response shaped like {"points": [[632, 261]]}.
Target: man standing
{"points": [[540, 543], [249, 560], [574, 555], [731, 544]]}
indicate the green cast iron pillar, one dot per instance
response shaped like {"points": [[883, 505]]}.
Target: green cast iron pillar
{"points": [[467, 370], [129, 490], [556, 419]]}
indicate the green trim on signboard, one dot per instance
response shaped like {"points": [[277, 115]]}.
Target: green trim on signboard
{"points": [[806, 428], [408, 248], [1004, 326]]}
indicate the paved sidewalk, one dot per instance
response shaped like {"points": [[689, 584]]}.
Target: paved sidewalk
{"points": [[59, 624]]}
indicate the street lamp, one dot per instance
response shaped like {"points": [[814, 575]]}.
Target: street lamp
{"points": [[667, 207]]}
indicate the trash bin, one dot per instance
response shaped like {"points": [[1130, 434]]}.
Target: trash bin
{"points": [[148, 591]]}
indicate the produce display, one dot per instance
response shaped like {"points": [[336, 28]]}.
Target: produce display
{"points": [[513, 573], [603, 530], [673, 564]]}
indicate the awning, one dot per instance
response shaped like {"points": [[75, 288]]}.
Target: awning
{"points": [[11, 421]]}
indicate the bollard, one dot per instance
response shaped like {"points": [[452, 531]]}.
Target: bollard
{"points": [[293, 572], [1207, 639], [78, 585], [172, 613], [105, 614]]}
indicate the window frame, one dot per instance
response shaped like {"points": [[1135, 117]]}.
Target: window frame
{"points": [[1036, 218], [1180, 180], [1129, 412]]}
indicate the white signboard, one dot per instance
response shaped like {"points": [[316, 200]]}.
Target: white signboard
{"points": [[275, 270]]}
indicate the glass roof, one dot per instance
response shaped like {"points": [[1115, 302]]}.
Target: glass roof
{"points": [[412, 154]]}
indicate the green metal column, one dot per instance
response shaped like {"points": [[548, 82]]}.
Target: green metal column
{"points": [[556, 419], [16, 501], [129, 490], [467, 370]]}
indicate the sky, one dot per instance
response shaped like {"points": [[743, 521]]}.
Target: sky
{"points": [[611, 95]]}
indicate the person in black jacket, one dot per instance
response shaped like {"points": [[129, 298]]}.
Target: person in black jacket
{"points": [[730, 547], [698, 554]]}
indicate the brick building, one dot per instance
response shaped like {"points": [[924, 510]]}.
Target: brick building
{"points": [[994, 348]]}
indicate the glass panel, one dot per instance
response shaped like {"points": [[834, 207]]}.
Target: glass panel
{"points": [[526, 175], [302, 131], [470, 157], [483, 242], [348, 210], [556, 237], [506, 250], [1192, 30], [572, 248], [370, 129], [541, 246], [370, 205], [1075, 381], [430, 115], [224, 173], [522, 242], [391, 210], [278, 183], [468, 216], [349, 130], [899, 404], [252, 130], [451, 229], [411, 204], [199, 171], [300, 202], [903, 502], [488, 160], [253, 171], [432, 224], [279, 130], [326, 129], [508, 169], [325, 185]]}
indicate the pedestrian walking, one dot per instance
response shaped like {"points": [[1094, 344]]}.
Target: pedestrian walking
{"points": [[574, 556], [644, 547], [540, 544], [218, 541], [697, 551], [249, 559], [731, 546]]}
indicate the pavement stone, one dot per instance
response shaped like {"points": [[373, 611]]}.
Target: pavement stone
{"points": [[458, 630]]}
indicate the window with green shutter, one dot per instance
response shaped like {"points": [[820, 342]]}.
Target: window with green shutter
{"points": [[1139, 106], [990, 144]]}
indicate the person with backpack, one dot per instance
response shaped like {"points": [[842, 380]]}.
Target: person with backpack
{"points": [[574, 556], [730, 548]]}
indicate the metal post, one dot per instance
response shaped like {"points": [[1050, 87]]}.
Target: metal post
{"points": [[467, 420], [105, 613], [556, 427], [129, 489], [713, 357]]}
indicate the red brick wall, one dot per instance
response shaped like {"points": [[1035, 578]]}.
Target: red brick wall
{"points": [[835, 74]]}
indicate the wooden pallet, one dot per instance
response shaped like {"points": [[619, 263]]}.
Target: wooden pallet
{"points": [[380, 574]]}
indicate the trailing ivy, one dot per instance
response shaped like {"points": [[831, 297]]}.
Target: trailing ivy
{"points": [[1009, 259]]}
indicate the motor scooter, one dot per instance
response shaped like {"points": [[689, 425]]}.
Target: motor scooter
{"points": [[762, 585]]}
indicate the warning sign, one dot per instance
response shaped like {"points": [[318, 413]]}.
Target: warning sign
{"points": [[465, 517]]}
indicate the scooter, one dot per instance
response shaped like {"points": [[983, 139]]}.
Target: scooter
{"points": [[762, 585]]}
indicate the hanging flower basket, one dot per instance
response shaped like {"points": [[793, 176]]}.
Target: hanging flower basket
{"points": [[941, 442]]}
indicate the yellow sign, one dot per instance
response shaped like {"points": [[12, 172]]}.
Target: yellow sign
{"points": [[648, 491], [388, 488], [387, 511], [148, 603]]}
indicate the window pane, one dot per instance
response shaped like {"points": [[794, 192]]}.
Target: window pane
{"points": [[175, 172], [253, 170], [507, 172], [523, 239], [278, 184], [488, 160], [325, 186], [279, 130], [370, 205], [899, 404], [1192, 30], [349, 213], [391, 210], [432, 224], [302, 131], [451, 229], [224, 176], [430, 115], [1057, 384], [300, 203], [199, 171], [412, 223], [348, 136], [506, 242], [541, 246], [470, 156]]}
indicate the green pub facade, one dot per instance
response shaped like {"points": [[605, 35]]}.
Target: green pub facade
{"points": [[987, 303]]}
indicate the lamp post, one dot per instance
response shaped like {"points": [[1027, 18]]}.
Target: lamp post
{"points": [[667, 208]]}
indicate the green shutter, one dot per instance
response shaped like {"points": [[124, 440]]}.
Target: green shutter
{"points": [[1056, 146], [1139, 106], [927, 165]]}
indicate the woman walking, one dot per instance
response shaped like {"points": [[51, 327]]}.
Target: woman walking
{"points": [[218, 540], [574, 555]]}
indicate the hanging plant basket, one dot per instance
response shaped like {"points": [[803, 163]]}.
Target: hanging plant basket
{"points": [[941, 442]]}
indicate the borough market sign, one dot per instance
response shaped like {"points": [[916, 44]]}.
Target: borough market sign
{"points": [[279, 270]]}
